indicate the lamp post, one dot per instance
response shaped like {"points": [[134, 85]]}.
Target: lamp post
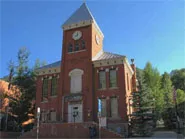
{"points": [[38, 117]]}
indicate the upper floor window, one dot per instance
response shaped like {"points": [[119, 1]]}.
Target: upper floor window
{"points": [[45, 89], [54, 86], [76, 80], [113, 78], [70, 48], [76, 46], [102, 80], [83, 44]]}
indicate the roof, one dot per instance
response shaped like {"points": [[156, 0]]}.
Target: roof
{"points": [[108, 55], [103, 56], [81, 14], [52, 65]]}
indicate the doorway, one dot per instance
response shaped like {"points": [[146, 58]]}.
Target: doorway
{"points": [[75, 113]]}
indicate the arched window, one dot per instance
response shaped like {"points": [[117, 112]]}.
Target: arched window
{"points": [[70, 48], [83, 44], [76, 46], [76, 80]]}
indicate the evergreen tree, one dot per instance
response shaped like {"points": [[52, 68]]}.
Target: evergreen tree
{"points": [[178, 79], [24, 79], [142, 118], [180, 96], [153, 82], [167, 90]]}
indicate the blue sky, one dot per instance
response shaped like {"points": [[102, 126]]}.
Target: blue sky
{"points": [[144, 30]]}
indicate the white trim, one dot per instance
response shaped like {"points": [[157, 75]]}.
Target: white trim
{"points": [[107, 70], [82, 24], [46, 71], [76, 71], [50, 77], [109, 62], [76, 51]]}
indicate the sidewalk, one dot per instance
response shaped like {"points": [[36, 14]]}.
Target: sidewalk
{"points": [[164, 135], [167, 135]]}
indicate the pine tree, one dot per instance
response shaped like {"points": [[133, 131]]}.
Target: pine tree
{"points": [[153, 82], [142, 118], [24, 79], [167, 89]]}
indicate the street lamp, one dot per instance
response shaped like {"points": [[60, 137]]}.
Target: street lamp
{"points": [[38, 117]]}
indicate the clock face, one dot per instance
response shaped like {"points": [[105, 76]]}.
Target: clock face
{"points": [[77, 35], [97, 40]]}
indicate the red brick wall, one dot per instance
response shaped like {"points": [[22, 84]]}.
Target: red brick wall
{"points": [[52, 102], [80, 60], [108, 92], [67, 130]]}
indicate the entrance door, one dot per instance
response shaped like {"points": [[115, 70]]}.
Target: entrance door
{"points": [[75, 113]]}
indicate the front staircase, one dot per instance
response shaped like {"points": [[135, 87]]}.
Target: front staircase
{"points": [[69, 130]]}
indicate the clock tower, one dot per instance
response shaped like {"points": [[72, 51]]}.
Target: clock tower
{"points": [[82, 44]]}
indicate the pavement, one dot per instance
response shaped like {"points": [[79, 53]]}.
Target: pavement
{"points": [[163, 135]]}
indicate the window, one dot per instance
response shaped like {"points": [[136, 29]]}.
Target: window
{"points": [[70, 48], [102, 79], [43, 116], [45, 89], [103, 107], [76, 46], [53, 115], [83, 44], [113, 78], [54, 86], [76, 80], [114, 107]]}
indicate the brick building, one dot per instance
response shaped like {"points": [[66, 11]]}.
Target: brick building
{"points": [[69, 90]]}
